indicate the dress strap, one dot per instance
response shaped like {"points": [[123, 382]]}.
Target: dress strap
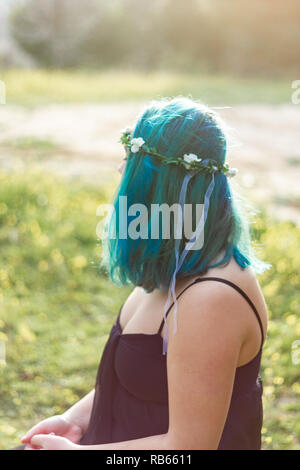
{"points": [[229, 283], [162, 323]]}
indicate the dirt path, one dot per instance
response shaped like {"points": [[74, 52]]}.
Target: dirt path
{"points": [[83, 141]]}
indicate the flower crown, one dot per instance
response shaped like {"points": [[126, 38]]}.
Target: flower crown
{"points": [[189, 161]]}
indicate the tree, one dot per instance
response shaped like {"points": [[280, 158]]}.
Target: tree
{"points": [[52, 30]]}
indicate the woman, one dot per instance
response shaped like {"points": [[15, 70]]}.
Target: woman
{"points": [[160, 385]]}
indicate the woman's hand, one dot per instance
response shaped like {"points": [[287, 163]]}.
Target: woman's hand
{"points": [[59, 425], [51, 442]]}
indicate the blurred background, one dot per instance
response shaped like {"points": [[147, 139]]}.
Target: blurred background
{"points": [[76, 73]]}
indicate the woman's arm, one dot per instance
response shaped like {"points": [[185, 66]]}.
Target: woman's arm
{"points": [[201, 364], [80, 412]]}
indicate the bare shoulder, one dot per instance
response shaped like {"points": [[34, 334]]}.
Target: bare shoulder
{"points": [[209, 307], [219, 312], [218, 292]]}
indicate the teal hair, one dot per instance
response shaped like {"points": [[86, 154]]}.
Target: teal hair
{"points": [[176, 127]]}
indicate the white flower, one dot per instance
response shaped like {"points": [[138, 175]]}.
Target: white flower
{"points": [[136, 144], [191, 157], [232, 172], [139, 141], [215, 168]]}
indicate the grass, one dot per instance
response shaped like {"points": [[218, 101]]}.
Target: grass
{"points": [[56, 308], [40, 87], [31, 150], [32, 143]]}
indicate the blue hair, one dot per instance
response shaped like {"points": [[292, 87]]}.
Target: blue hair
{"points": [[176, 127]]}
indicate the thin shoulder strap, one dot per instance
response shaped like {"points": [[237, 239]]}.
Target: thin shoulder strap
{"points": [[229, 283], [162, 323]]}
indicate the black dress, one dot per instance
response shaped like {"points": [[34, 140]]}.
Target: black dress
{"points": [[131, 391]]}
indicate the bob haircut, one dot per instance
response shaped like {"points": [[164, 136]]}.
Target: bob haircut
{"points": [[176, 127]]}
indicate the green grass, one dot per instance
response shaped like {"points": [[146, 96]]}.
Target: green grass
{"points": [[56, 308], [32, 143], [36, 87], [30, 149]]}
